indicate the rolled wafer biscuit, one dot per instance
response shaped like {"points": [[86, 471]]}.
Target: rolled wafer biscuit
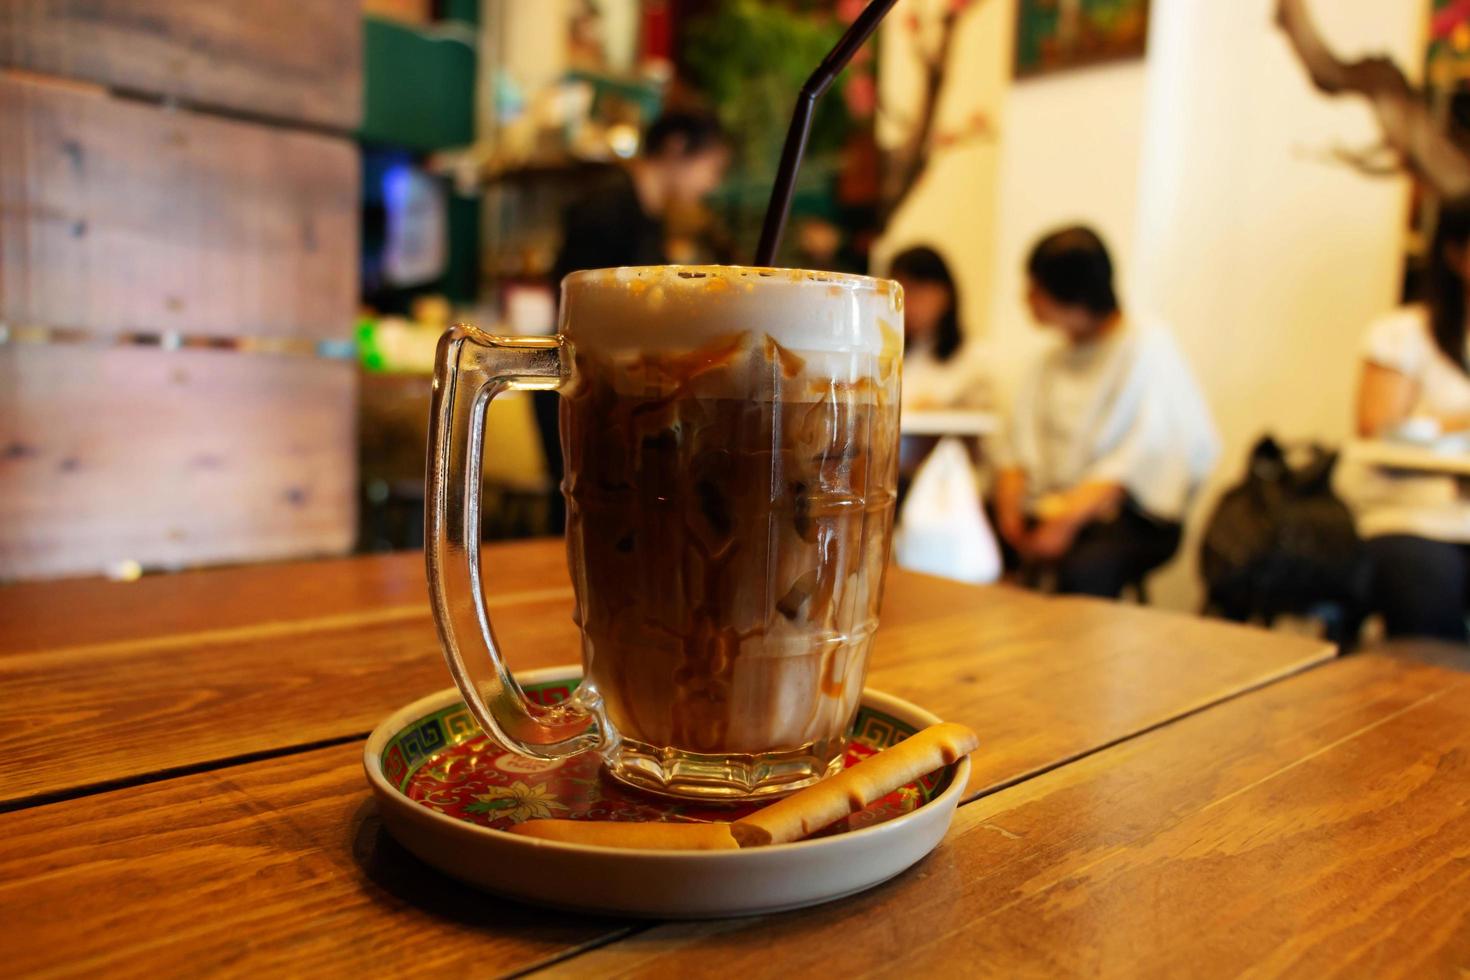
{"points": [[808, 811], [616, 833]]}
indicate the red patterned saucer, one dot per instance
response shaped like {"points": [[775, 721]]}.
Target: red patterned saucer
{"points": [[447, 790]]}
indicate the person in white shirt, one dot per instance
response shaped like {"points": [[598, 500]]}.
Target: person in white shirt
{"points": [[1416, 378], [940, 370], [1109, 437]]}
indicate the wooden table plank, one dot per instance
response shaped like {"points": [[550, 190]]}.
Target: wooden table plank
{"points": [[1043, 680], [1318, 827], [37, 616], [1048, 679], [276, 868], [1322, 821], [211, 666], [82, 721], [124, 218], [171, 457], [296, 61]]}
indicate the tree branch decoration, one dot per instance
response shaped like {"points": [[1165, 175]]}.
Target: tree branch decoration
{"points": [[904, 164], [1413, 140]]}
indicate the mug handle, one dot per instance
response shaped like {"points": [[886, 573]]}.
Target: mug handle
{"points": [[470, 368]]}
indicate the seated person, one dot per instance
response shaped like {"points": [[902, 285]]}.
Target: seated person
{"points": [[1416, 376], [940, 370], [622, 220], [1109, 437]]}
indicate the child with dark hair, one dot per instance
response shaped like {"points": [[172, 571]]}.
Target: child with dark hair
{"points": [[939, 369], [1109, 437]]}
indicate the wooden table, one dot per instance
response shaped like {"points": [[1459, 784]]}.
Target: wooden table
{"points": [[1318, 827], [182, 791]]}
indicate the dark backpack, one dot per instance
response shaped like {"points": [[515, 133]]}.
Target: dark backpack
{"points": [[1281, 541]]}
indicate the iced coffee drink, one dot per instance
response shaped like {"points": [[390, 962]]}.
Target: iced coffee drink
{"points": [[731, 449]]}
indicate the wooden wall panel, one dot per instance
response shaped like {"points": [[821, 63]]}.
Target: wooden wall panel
{"points": [[117, 216], [171, 458], [295, 60]]}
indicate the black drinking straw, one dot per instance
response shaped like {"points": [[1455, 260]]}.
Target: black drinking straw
{"points": [[801, 125]]}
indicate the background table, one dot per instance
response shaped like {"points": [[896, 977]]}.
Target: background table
{"points": [[951, 422], [1408, 456], [181, 763], [922, 431]]}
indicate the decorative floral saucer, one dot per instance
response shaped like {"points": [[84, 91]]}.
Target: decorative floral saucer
{"points": [[446, 791]]}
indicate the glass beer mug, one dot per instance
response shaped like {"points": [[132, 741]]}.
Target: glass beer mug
{"points": [[730, 438]]}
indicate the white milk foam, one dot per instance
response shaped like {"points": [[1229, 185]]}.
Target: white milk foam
{"points": [[674, 308]]}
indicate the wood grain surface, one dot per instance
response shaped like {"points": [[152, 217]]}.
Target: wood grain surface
{"points": [[38, 616], [281, 58], [161, 701], [119, 217], [170, 458], [277, 868], [1042, 680], [1320, 827], [148, 708]]}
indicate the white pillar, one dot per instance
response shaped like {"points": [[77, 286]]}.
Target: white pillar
{"points": [[1267, 260]]}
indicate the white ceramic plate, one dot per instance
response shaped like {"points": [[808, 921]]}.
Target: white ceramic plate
{"points": [[427, 747]]}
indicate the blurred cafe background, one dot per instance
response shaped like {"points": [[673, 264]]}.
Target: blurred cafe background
{"points": [[231, 233]]}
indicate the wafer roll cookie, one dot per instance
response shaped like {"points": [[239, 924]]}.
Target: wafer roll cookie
{"points": [[808, 811], [615, 833]]}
